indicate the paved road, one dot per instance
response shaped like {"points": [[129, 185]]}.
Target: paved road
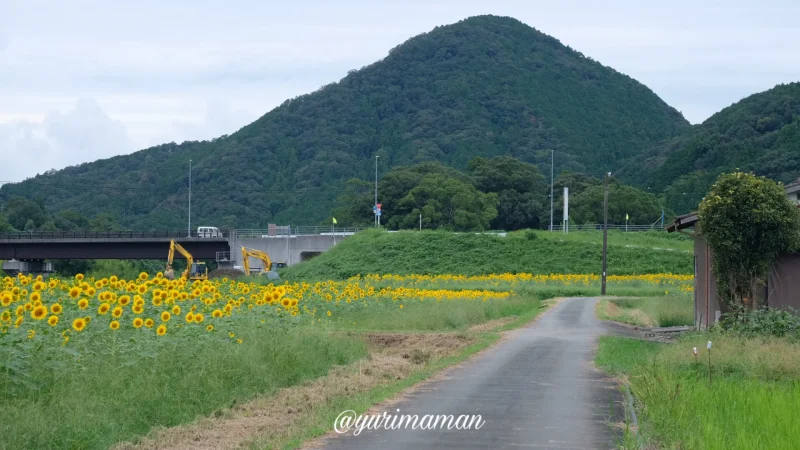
{"points": [[536, 389]]}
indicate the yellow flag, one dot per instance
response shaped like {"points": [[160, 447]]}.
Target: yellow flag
{"points": [[334, 221]]}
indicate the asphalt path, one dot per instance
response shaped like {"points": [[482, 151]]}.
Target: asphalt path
{"points": [[535, 389]]}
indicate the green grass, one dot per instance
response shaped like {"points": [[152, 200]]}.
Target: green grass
{"points": [[661, 311], [750, 402], [114, 396], [438, 252], [619, 355]]}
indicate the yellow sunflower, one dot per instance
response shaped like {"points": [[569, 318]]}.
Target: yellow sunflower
{"points": [[117, 312], [103, 308], [74, 292], [39, 313], [52, 321], [83, 303], [114, 325], [138, 322], [56, 308], [165, 316], [149, 322], [79, 324], [162, 330]]}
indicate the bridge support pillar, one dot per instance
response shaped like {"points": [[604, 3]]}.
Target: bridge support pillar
{"points": [[34, 267]]}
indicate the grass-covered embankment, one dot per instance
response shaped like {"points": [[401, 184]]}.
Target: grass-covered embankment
{"points": [[440, 252], [750, 401]]}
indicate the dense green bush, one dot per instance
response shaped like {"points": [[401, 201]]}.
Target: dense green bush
{"points": [[763, 322]]}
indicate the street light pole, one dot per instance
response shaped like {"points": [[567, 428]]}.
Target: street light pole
{"points": [[190, 200], [605, 232], [552, 181], [377, 217]]}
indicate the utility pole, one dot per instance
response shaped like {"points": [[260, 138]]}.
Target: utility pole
{"points": [[552, 180], [190, 200], [605, 232], [377, 217], [420, 222]]}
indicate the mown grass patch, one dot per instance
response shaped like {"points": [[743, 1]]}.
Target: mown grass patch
{"points": [[659, 311]]}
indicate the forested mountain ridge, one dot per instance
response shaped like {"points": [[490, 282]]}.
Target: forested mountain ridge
{"points": [[760, 133], [485, 86]]}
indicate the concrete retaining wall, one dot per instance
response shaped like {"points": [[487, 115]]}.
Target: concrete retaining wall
{"points": [[288, 249]]}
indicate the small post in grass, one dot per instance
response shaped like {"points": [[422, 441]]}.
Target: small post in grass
{"points": [[708, 346], [695, 354]]}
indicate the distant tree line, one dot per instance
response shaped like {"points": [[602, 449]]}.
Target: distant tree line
{"points": [[20, 214], [501, 193]]}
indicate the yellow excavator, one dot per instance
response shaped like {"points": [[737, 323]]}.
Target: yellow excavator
{"points": [[194, 270], [247, 253]]}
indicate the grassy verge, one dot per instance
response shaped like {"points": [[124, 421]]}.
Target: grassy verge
{"points": [[660, 311], [749, 402], [434, 316]]}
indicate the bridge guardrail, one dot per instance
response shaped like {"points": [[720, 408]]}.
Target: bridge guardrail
{"points": [[102, 234], [599, 227], [294, 231]]}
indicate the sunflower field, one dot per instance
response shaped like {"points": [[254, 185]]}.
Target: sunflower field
{"points": [[122, 356]]}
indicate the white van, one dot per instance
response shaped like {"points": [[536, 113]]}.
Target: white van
{"points": [[209, 232]]}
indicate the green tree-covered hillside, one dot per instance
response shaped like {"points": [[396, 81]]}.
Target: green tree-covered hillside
{"points": [[761, 133], [486, 86]]}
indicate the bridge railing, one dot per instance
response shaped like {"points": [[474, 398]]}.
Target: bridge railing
{"points": [[599, 227], [106, 234], [295, 231]]}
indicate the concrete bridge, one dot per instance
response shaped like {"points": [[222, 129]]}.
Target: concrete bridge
{"points": [[283, 244]]}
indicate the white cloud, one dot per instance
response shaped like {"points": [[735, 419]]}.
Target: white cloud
{"points": [[83, 134]]}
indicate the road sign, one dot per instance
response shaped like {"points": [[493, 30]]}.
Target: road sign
{"points": [[379, 213]]}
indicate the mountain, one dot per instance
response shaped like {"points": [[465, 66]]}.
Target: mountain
{"points": [[485, 86], [760, 133]]}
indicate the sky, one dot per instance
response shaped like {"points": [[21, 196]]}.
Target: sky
{"points": [[85, 79]]}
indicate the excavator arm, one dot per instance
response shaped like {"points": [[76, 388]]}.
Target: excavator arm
{"points": [[258, 254], [189, 260]]}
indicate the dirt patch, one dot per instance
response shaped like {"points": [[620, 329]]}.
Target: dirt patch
{"points": [[393, 356]]}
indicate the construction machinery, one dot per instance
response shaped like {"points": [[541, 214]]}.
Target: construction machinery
{"points": [[247, 253], [194, 270]]}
